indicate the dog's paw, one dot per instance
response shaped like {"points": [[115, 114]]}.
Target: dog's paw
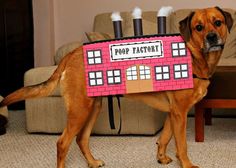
{"points": [[191, 166], [164, 160], [96, 164]]}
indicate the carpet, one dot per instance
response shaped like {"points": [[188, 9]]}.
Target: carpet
{"points": [[18, 149]]}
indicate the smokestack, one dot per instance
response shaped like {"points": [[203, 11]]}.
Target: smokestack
{"points": [[117, 24], [163, 13], [137, 21]]}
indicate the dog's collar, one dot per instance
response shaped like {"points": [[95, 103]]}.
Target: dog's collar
{"points": [[195, 76]]}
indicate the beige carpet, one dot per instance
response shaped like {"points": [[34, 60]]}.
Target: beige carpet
{"points": [[21, 150]]}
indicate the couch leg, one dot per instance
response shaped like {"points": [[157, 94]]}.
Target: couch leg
{"points": [[208, 116], [199, 123]]}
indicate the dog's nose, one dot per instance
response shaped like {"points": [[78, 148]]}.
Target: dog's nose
{"points": [[211, 37]]}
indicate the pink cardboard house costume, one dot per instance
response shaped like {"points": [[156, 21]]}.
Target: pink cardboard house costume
{"points": [[137, 64]]}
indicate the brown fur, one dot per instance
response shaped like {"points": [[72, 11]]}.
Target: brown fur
{"points": [[82, 111]]}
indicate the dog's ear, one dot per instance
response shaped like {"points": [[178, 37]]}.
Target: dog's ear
{"points": [[184, 27], [228, 18]]}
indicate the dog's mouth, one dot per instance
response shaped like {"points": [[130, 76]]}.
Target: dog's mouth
{"points": [[212, 47], [216, 47], [213, 43]]}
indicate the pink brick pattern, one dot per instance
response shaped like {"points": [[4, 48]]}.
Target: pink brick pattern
{"points": [[102, 79]]}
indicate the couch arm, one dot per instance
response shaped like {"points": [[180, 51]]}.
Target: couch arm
{"points": [[38, 75]]}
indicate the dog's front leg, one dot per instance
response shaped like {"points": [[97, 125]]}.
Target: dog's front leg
{"points": [[163, 141], [179, 122]]}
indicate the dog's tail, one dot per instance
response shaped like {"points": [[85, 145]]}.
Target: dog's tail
{"points": [[40, 90]]}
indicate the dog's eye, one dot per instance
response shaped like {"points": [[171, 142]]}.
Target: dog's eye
{"points": [[217, 23], [199, 28]]}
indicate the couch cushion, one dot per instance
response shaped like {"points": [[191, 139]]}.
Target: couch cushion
{"points": [[96, 36], [229, 52], [64, 50], [149, 22], [149, 27], [176, 17], [103, 23]]}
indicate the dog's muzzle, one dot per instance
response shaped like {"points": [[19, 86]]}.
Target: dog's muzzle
{"points": [[212, 38], [213, 42]]}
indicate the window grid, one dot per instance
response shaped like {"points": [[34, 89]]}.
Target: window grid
{"points": [[178, 49], [181, 71], [131, 73], [94, 57], [95, 78], [145, 72], [162, 72], [114, 76]]}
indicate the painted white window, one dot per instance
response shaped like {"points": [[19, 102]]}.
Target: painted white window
{"points": [[178, 49], [114, 76], [145, 72], [162, 72], [95, 78], [181, 71], [94, 57], [131, 73]]}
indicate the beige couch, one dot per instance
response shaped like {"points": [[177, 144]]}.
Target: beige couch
{"points": [[48, 114]]}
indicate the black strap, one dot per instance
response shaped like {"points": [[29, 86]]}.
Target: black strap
{"points": [[195, 76], [111, 112], [118, 100]]}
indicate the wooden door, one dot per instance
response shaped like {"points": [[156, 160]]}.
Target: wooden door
{"points": [[139, 79], [16, 43]]}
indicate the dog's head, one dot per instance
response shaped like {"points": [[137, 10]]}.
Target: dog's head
{"points": [[205, 33], [206, 29]]}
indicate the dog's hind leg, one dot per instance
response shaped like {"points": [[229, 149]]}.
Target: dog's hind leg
{"points": [[83, 137], [78, 114], [163, 141]]}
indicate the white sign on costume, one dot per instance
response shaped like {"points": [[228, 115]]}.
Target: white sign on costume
{"points": [[136, 50]]}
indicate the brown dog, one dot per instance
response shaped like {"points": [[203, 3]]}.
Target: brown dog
{"points": [[204, 31]]}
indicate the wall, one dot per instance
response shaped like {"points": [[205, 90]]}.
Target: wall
{"points": [[43, 32], [66, 21]]}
